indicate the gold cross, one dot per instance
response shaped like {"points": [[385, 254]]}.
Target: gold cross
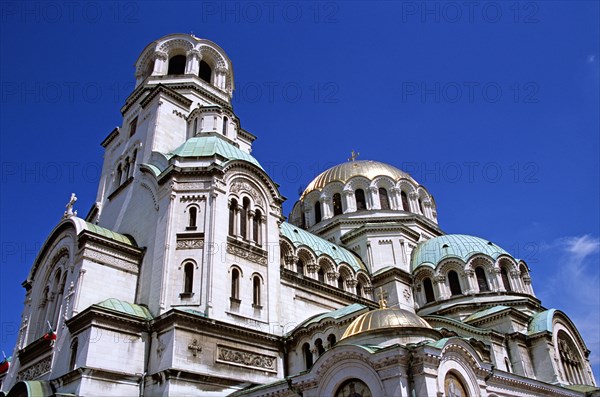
{"points": [[381, 295], [353, 156]]}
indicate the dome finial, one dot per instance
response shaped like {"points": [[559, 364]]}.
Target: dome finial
{"points": [[381, 295], [353, 156]]}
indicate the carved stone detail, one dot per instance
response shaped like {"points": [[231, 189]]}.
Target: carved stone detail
{"points": [[190, 243], [244, 186], [261, 259], [35, 370], [246, 359], [109, 259], [195, 347]]}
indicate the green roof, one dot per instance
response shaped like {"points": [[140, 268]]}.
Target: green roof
{"points": [[208, 146], [321, 246], [541, 322], [334, 314], [126, 307], [461, 246], [109, 234], [485, 312]]}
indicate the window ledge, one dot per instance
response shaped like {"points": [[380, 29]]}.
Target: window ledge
{"points": [[120, 188], [257, 306], [235, 300], [186, 295]]}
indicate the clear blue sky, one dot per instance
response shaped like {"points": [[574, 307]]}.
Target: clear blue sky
{"points": [[493, 107]]}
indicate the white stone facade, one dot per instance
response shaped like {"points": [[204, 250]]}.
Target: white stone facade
{"points": [[185, 279]]}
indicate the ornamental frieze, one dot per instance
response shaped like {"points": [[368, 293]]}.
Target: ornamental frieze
{"points": [[243, 186], [243, 358], [36, 370], [245, 253], [190, 243]]}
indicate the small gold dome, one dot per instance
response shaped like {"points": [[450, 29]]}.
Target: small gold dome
{"points": [[343, 172], [383, 319]]}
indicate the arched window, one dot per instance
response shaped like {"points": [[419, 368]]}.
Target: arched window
{"points": [[337, 204], [361, 203], [73, 358], [176, 65], [384, 200], [507, 364], [428, 287], [256, 291], [454, 283], [359, 288], [321, 275], [300, 267], [421, 207], [256, 227], [570, 360], [319, 347], [195, 130], [317, 212], [481, 279], [118, 176], [232, 210], [308, 358], [58, 294], [205, 71], [193, 214], [188, 280], [331, 340], [244, 216], [235, 284], [340, 282], [405, 204], [505, 280], [454, 386], [126, 168], [133, 159], [225, 124]]}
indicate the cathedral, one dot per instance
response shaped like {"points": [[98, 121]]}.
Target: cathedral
{"points": [[186, 279]]}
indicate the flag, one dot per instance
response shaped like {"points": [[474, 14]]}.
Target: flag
{"points": [[50, 335], [4, 364]]}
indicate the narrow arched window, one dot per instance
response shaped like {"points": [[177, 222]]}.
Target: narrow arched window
{"points": [[118, 176], [331, 340], [235, 284], [205, 71], [126, 169], [193, 215], [244, 218], [337, 204], [256, 226], [321, 275], [454, 283], [421, 207], [232, 210], [195, 130], [359, 288], [300, 266], [133, 160], [507, 364], [176, 65], [481, 279], [188, 278], [428, 287], [340, 282], [319, 347], [361, 203], [58, 294], [405, 204], [505, 280], [256, 291], [570, 360], [384, 200], [308, 358], [73, 357], [225, 124], [317, 212]]}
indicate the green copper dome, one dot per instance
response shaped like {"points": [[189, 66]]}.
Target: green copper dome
{"points": [[460, 246], [208, 146]]}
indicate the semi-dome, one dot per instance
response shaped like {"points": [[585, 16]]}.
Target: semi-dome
{"points": [[384, 319], [343, 172], [460, 246]]}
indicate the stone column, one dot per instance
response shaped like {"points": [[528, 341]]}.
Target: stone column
{"points": [[373, 198], [326, 207], [396, 202], [192, 65], [439, 283], [307, 217], [238, 221], [472, 288], [160, 63], [495, 271], [351, 285], [412, 202], [347, 198]]}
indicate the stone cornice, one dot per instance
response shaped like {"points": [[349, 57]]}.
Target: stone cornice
{"points": [[167, 91], [99, 316], [111, 137], [373, 226], [393, 273]]}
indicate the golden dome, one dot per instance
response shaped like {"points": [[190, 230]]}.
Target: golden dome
{"points": [[384, 319], [343, 172]]}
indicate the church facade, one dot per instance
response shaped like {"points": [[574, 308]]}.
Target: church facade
{"points": [[186, 279]]}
